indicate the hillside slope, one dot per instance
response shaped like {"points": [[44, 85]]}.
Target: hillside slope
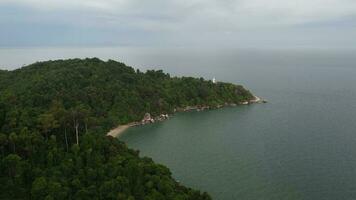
{"points": [[53, 120]]}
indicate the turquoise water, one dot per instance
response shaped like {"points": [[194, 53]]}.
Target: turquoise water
{"points": [[300, 145]]}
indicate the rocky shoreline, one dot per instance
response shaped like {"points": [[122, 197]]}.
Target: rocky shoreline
{"points": [[203, 107], [149, 119]]}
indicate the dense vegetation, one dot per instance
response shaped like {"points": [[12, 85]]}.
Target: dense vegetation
{"points": [[53, 120]]}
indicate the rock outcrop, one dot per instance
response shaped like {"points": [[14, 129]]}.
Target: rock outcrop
{"points": [[147, 119]]}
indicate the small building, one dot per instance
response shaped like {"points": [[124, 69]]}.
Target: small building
{"points": [[214, 80]]}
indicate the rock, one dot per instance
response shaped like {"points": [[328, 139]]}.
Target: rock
{"points": [[257, 100], [206, 108], [147, 116], [162, 117], [147, 119], [190, 108]]}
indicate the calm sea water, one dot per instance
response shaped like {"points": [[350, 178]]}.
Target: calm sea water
{"points": [[300, 145]]}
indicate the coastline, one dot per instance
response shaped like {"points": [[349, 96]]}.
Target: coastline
{"points": [[117, 131]]}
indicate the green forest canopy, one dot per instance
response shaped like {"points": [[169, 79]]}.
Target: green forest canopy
{"points": [[54, 116]]}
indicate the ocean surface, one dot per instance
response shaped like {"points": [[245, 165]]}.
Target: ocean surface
{"points": [[300, 145]]}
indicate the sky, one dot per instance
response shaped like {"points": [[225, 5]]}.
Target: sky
{"points": [[178, 23]]}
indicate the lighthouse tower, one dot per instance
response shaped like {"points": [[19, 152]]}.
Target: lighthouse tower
{"points": [[214, 80]]}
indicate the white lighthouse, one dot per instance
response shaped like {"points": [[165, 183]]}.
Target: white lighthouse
{"points": [[214, 80]]}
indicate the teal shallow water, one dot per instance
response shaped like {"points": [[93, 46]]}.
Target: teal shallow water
{"points": [[300, 145], [263, 151]]}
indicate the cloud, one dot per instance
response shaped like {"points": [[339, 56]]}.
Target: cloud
{"points": [[68, 4], [183, 20], [289, 11]]}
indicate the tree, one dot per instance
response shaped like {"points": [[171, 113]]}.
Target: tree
{"points": [[47, 123], [13, 140], [63, 118], [13, 166], [80, 114], [76, 119], [3, 143], [39, 188]]}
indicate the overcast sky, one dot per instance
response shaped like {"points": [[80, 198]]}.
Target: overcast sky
{"points": [[236, 23]]}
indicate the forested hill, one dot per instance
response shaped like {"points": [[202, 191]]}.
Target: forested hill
{"points": [[53, 120], [102, 93]]}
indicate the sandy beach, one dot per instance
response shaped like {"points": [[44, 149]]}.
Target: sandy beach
{"points": [[118, 130]]}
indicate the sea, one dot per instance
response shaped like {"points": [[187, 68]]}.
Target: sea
{"points": [[301, 145]]}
